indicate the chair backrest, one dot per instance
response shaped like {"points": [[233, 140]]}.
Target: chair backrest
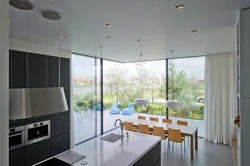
{"points": [[144, 129], [153, 119], [129, 126], [159, 131], [142, 117], [174, 135], [167, 120], [181, 122]]}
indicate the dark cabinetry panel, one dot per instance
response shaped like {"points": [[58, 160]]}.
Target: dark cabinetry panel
{"points": [[35, 153], [141, 162], [60, 144], [60, 123], [17, 69], [65, 73], [153, 155], [54, 72], [152, 158], [158, 163], [16, 157], [37, 71]]}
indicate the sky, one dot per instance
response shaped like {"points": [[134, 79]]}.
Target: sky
{"points": [[193, 67]]}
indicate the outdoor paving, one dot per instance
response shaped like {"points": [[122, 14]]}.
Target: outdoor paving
{"points": [[85, 123]]}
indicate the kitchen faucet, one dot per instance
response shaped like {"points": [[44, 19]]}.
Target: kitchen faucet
{"points": [[121, 124]]}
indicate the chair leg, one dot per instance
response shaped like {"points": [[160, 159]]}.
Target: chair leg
{"points": [[168, 147], [184, 147], [181, 149], [172, 145]]}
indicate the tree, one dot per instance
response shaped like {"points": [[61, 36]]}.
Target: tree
{"points": [[179, 87], [115, 81]]}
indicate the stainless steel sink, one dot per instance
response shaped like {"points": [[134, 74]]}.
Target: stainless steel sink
{"points": [[111, 138]]}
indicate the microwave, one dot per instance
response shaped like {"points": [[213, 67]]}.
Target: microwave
{"points": [[16, 137]]}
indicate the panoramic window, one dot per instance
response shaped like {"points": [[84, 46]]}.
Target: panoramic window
{"points": [[86, 97], [123, 83], [186, 84]]}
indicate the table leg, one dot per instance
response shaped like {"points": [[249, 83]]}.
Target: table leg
{"points": [[196, 140], [192, 147]]}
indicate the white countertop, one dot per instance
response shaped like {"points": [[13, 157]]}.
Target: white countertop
{"points": [[120, 153]]}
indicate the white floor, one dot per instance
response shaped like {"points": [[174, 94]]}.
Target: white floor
{"points": [[85, 123]]}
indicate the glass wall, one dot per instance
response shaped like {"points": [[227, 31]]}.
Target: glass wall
{"points": [[186, 84], [86, 96], [125, 82]]}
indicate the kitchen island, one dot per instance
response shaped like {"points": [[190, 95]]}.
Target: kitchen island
{"points": [[135, 150]]}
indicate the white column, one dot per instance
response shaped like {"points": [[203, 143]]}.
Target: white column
{"points": [[4, 82]]}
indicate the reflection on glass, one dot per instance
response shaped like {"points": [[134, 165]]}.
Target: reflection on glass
{"points": [[86, 97]]}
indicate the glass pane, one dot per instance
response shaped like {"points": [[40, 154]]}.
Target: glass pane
{"points": [[123, 83], [86, 92], [186, 84]]}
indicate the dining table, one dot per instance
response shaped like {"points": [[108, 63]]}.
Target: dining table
{"points": [[186, 130]]}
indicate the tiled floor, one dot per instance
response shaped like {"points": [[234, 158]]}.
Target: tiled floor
{"points": [[85, 123], [208, 154]]}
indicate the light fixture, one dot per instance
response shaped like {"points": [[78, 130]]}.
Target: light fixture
{"points": [[141, 101], [62, 36], [172, 103], [139, 40], [21, 4], [99, 46], [193, 31], [109, 37], [107, 25], [9, 21], [179, 6]]}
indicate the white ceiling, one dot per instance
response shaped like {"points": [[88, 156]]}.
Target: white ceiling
{"points": [[161, 27]]}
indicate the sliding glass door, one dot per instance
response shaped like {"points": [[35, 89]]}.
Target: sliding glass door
{"points": [[86, 97], [186, 84]]}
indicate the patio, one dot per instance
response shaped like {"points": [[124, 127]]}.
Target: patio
{"points": [[85, 123]]}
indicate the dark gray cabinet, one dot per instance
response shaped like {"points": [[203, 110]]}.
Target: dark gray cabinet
{"points": [[153, 155], [37, 71], [60, 144], [152, 158], [65, 73], [60, 123], [16, 157], [54, 72], [17, 73], [37, 152]]}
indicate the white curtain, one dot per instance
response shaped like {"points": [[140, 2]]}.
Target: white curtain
{"points": [[220, 97]]}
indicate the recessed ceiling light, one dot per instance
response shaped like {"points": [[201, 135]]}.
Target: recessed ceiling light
{"points": [[193, 31], [107, 25], [99, 46], [109, 37], [9, 21], [179, 6], [62, 36], [139, 40]]}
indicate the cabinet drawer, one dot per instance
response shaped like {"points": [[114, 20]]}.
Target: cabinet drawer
{"points": [[37, 152], [142, 161], [16, 157], [154, 155], [60, 144], [60, 123]]}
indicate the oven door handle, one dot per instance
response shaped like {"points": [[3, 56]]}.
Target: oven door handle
{"points": [[15, 135]]}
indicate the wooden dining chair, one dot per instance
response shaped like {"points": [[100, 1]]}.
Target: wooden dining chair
{"points": [[142, 117], [174, 135], [181, 122], [144, 129], [129, 126], [154, 119], [184, 123], [167, 120]]}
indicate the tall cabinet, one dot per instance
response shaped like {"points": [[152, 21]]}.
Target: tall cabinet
{"points": [[29, 70], [244, 92]]}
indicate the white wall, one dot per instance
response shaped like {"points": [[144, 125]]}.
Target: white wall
{"points": [[26, 46], [4, 82]]}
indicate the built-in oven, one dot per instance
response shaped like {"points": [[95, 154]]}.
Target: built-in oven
{"points": [[16, 137], [37, 132]]}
